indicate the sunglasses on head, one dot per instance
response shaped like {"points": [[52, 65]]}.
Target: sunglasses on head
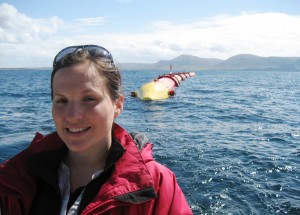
{"points": [[94, 51]]}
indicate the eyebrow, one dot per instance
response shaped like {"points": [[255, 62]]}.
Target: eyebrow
{"points": [[82, 92]]}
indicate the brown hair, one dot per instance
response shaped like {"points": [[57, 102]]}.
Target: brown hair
{"points": [[105, 67]]}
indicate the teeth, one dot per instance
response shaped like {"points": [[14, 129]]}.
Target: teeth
{"points": [[74, 130]]}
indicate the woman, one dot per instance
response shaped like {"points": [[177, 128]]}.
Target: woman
{"points": [[90, 165]]}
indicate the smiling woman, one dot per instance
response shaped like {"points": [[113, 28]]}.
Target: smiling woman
{"points": [[90, 165]]}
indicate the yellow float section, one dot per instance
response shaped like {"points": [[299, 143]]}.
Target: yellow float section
{"points": [[154, 90]]}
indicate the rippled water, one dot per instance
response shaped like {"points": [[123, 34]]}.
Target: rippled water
{"points": [[232, 138]]}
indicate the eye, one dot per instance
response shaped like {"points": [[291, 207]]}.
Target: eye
{"points": [[61, 101], [89, 99]]}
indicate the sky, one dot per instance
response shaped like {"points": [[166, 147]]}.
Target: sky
{"points": [[32, 32]]}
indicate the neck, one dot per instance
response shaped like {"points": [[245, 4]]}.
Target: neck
{"points": [[84, 164], [82, 168], [92, 159]]}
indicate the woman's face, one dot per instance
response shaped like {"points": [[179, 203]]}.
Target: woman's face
{"points": [[82, 110]]}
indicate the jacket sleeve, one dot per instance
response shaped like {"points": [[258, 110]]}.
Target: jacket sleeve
{"points": [[11, 204], [11, 201], [171, 199], [17, 187], [17, 184]]}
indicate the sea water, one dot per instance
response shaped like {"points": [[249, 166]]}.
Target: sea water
{"points": [[231, 138]]}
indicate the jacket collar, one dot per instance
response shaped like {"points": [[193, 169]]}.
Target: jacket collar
{"points": [[130, 180]]}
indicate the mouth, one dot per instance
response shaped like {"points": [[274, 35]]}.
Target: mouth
{"points": [[77, 130]]}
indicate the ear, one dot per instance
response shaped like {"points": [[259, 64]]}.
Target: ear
{"points": [[119, 106]]}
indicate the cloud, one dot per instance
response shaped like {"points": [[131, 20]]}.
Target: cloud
{"points": [[91, 21], [34, 42], [125, 1], [19, 28], [223, 36], [24, 40]]}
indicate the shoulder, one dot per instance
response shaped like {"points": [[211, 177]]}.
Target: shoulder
{"points": [[161, 173], [171, 199], [157, 171]]}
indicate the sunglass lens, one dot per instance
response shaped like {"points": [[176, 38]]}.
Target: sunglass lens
{"points": [[64, 53]]}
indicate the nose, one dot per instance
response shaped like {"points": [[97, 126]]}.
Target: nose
{"points": [[74, 112]]}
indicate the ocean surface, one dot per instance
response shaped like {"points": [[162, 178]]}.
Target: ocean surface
{"points": [[231, 138]]}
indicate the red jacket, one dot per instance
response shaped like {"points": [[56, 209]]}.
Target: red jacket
{"points": [[131, 183]]}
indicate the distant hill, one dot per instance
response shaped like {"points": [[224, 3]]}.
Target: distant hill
{"points": [[253, 62], [242, 62], [190, 60]]}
